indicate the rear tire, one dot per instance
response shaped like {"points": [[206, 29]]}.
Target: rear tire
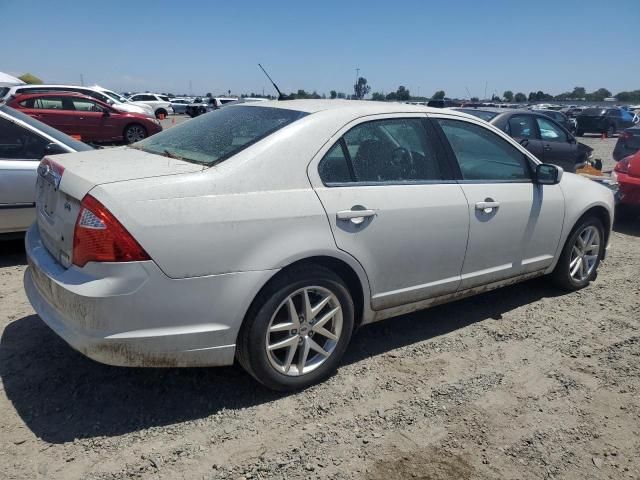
{"points": [[577, 266], [297, 364], [134, 133]]}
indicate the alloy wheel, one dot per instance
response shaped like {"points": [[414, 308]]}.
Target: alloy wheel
{"points": [[304, 331], [135, 133], [584, 254]]}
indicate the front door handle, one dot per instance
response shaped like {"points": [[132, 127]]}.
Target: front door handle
{"points": [[355, 216], [487, 206], [547, 147]]}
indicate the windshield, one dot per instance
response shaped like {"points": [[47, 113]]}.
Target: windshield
{"points": [[593, 111], [216, 136], [3, 91], [46, 129], [115, 96], [482, 114]]}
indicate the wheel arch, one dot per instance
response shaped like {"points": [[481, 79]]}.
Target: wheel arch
{"points": [[130, 124], [353, 276]]}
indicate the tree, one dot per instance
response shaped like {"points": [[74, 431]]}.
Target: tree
{"points": [[377, 96], [600, 94], [402, 94], [439, 95], [392, 96], [508, 96], [520, 97], [361, 88], [578, 92], [629, 97], [341, 95], [333, 94], [30, 79], [208, 95], [474, 99]]}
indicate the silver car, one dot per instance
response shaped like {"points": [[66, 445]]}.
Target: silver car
{"points": [[23, 143], [267, 232]]}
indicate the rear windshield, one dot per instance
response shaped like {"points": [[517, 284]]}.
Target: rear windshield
{"points": [[218, 135], [46, 129], [482, 114], [593, 111]]}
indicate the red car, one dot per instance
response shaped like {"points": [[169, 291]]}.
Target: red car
{"points": [[627, 172], [86, 118]]}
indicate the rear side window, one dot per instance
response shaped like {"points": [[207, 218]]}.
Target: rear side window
{"points": [[483, 155], [382, 151], [216, 136], [594, 111], [18, 143], [85, 105], [46, 103], [522, 126]]}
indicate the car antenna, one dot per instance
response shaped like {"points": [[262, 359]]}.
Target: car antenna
{"points": [[280, 95]]}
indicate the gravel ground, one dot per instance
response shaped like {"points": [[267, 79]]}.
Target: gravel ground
{"points": [[525, 382]]}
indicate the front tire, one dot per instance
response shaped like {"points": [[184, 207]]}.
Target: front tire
{"points": [[579, 133], [297, 329], [611, 131], [134, 133], [581, 255]]}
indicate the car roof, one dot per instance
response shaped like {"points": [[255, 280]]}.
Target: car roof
{"points": [[55, 94], [364, 107]]}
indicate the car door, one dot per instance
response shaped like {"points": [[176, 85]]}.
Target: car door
{"points": [[515, 224], [393, 205], [20, 153], [523, 129], [557, 145], [94, 125]]}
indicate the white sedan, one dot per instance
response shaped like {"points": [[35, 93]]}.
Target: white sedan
{"points": [[266, 232]]}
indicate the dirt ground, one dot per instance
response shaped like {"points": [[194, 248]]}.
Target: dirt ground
{"points": [[521, 383]]}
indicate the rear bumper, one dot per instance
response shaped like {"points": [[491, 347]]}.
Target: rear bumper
{"points": [[629, 189], [131, 314]]}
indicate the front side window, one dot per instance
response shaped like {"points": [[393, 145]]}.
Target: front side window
{"points": [[483, 155], [549, 131], [83, 105], [18, 143], [393, 150], [522, 126], [212, 138]]}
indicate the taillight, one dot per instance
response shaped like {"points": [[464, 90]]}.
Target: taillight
{"points": [[99, 237], [622, 166]]}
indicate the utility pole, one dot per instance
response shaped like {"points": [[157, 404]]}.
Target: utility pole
{"points": [[190, 88], [486, 84], [357, 77], [82, 80]]}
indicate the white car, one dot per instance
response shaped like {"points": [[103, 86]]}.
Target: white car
{"points": [[160, 104], [268, 231], [102, 94]]}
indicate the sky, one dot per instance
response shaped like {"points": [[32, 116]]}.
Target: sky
{"points": [[458, 46]]}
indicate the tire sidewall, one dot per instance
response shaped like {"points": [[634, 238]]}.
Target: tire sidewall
{"points": [[256, 355]]}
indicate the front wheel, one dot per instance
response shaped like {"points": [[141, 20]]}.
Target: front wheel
{"points": [[298, 329], [134, 133], [580, 257], [579, 133]]}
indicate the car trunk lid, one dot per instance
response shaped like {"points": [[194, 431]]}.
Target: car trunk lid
{"points": [[64, 180]]}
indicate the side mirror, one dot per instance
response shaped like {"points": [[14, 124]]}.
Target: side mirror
{"points": [[54, 149], [547, 174], [110, 102], [571, 139], [524, 142]]}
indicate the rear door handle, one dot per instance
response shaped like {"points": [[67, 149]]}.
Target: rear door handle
{"points": [[547, 148], [487, 206], [355, 216]]}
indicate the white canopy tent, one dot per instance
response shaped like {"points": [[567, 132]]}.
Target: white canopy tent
{"points": [[7, 80]]}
